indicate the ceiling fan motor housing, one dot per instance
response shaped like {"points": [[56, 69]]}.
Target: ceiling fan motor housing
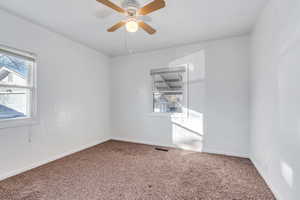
{"points": [[131, 7], [130, 4]]}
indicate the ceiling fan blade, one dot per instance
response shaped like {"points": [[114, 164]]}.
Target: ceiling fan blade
{"points": [[151, 7], [147, 28], [112, 5], [116, 26]]}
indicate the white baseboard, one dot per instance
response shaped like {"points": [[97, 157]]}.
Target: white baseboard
{"points": [[142, 142], [53, 158], [227, 153], [263, 174], [206, 150]]}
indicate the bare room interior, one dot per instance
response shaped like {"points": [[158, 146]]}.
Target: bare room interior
{"points": [[149, 100]]}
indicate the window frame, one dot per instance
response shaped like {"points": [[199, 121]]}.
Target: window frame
{"points": [[33, 117], [185, 93]]}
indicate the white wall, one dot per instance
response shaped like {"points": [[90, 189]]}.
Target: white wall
{"points": [[219, 90], [73, 98], [275, 97]]}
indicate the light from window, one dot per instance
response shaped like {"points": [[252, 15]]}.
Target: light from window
{"points": [[168, 89], [16, 84]]}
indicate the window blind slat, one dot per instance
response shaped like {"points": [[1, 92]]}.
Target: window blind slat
{"points": [[168, 70]]}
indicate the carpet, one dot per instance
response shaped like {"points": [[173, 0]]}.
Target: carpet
{"points": [[126, 171]]}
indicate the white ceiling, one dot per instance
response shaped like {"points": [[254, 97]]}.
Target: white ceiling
{"points": [[180, 22]]}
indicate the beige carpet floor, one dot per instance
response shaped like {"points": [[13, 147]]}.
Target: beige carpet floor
{"points": [[126, 171]]}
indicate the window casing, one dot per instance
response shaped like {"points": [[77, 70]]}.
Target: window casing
{"points": [[17, 87], [169, 88]]}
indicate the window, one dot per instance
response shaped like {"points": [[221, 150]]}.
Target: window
{"points": [[17, 85], [168, 89]]}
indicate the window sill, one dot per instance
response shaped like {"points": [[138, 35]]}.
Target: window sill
{"points": [[167, 115], [20, 122], [153, 114]]}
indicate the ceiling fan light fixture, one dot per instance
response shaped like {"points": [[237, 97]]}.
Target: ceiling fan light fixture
{"points": [[133, 12], [132, 26]]}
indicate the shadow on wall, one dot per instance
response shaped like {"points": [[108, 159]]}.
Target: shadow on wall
{"points": [[188, 130]]}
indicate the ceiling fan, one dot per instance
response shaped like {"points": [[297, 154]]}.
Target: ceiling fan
{"points": [[134, 14]]}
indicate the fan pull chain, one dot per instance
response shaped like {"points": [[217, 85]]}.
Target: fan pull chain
{"points": [[126, 42]]}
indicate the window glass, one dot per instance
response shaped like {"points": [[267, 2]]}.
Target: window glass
{"points": [[168, 102], [14, 102], [14, 70]]}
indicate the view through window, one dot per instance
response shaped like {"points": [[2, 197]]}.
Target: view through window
{"points": [[168, 89], [16, 85]]}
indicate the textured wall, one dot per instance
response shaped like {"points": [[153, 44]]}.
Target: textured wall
{"points": [[73, 98], [219, 90], [275, 133]]}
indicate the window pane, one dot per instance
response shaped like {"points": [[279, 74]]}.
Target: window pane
{"points": [[14, 102], [168, 102], [14, 70], [168, 89]]}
